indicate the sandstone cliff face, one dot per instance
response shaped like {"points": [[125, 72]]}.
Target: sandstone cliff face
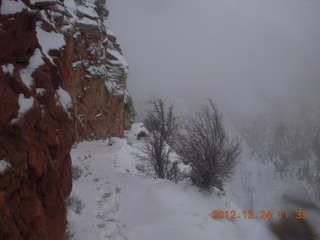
{"points": [[36, 133], [51, 50], [102, 105]]}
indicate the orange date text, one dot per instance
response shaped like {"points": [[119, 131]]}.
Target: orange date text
{"points": [[263, 214]]}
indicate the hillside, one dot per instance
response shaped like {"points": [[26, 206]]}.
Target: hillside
{"points": [[118, 202]]}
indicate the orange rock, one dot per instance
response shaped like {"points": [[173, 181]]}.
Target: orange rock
{"points": [[36, 143], [36, 130]]}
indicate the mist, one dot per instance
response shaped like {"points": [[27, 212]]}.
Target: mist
{"points": [[248, 56], [260, 63]]}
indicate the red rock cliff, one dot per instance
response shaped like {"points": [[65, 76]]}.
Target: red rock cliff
{"points": [[51, 50], [102, 105]]}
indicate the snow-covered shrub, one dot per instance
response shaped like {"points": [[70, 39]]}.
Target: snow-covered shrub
{"points": [[141, 134], [207, 149], [75, 204], [156, 151], [161, 120], [68, 234], [76, 172], [157, 159]]}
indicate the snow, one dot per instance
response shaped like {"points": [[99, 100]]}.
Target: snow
{"points": [[64, 98], [76, 64], [255, 186], [70, 4], [4, 165], [124, 204], [87, 21], [9, 68], [100, 71], [89, 11], [34, 62], [126, 96], [98, 115], [40, 91], [25, 104], [120, 58], [114, 88], [71, 7], [45, 17], [11, 7], [110, 33], [49, 40]]}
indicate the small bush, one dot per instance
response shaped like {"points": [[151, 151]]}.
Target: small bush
{"points": [[75, 204], [141, 134], [156, 148], [76, 172], [68, 234], [208, 150]]}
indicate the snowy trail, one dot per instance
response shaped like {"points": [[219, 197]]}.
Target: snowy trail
{"points": [[120, 203], [98, 218]]}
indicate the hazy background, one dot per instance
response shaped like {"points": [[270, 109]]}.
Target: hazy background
{"points": [[249, 56], [253, 58]]}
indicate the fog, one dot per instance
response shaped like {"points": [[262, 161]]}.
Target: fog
{"points": [[259, 60], [248, 56]]}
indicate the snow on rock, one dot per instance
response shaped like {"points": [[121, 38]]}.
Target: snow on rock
{"points": [[4, 165], [120, 59], [64, 99], [110, 33], [45, 17], [100, 71], [12, 7], [125, 205], [25, 104], [76, 64], [126, 96], [49, 40], [92, 66], [34, 62], [88, 10], [114, 88], [87, 21], [70, 4], [9, 68], [98, 115], [118, 69], [40, 91]]}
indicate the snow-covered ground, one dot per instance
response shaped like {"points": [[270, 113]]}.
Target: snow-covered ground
{"points": [[255, 185], [118, 202]]}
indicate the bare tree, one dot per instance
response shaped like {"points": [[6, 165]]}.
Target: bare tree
{"points": [[156, 146], [207, 148]]}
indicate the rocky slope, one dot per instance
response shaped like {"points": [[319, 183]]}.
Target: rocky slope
{"points": [[61, 69], [97, 75]]}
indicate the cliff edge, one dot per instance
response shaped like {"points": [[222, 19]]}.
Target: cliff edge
{"points": [[62, 79]]}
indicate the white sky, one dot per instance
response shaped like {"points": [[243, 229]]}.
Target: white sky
{"points": [[246, 55]]}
